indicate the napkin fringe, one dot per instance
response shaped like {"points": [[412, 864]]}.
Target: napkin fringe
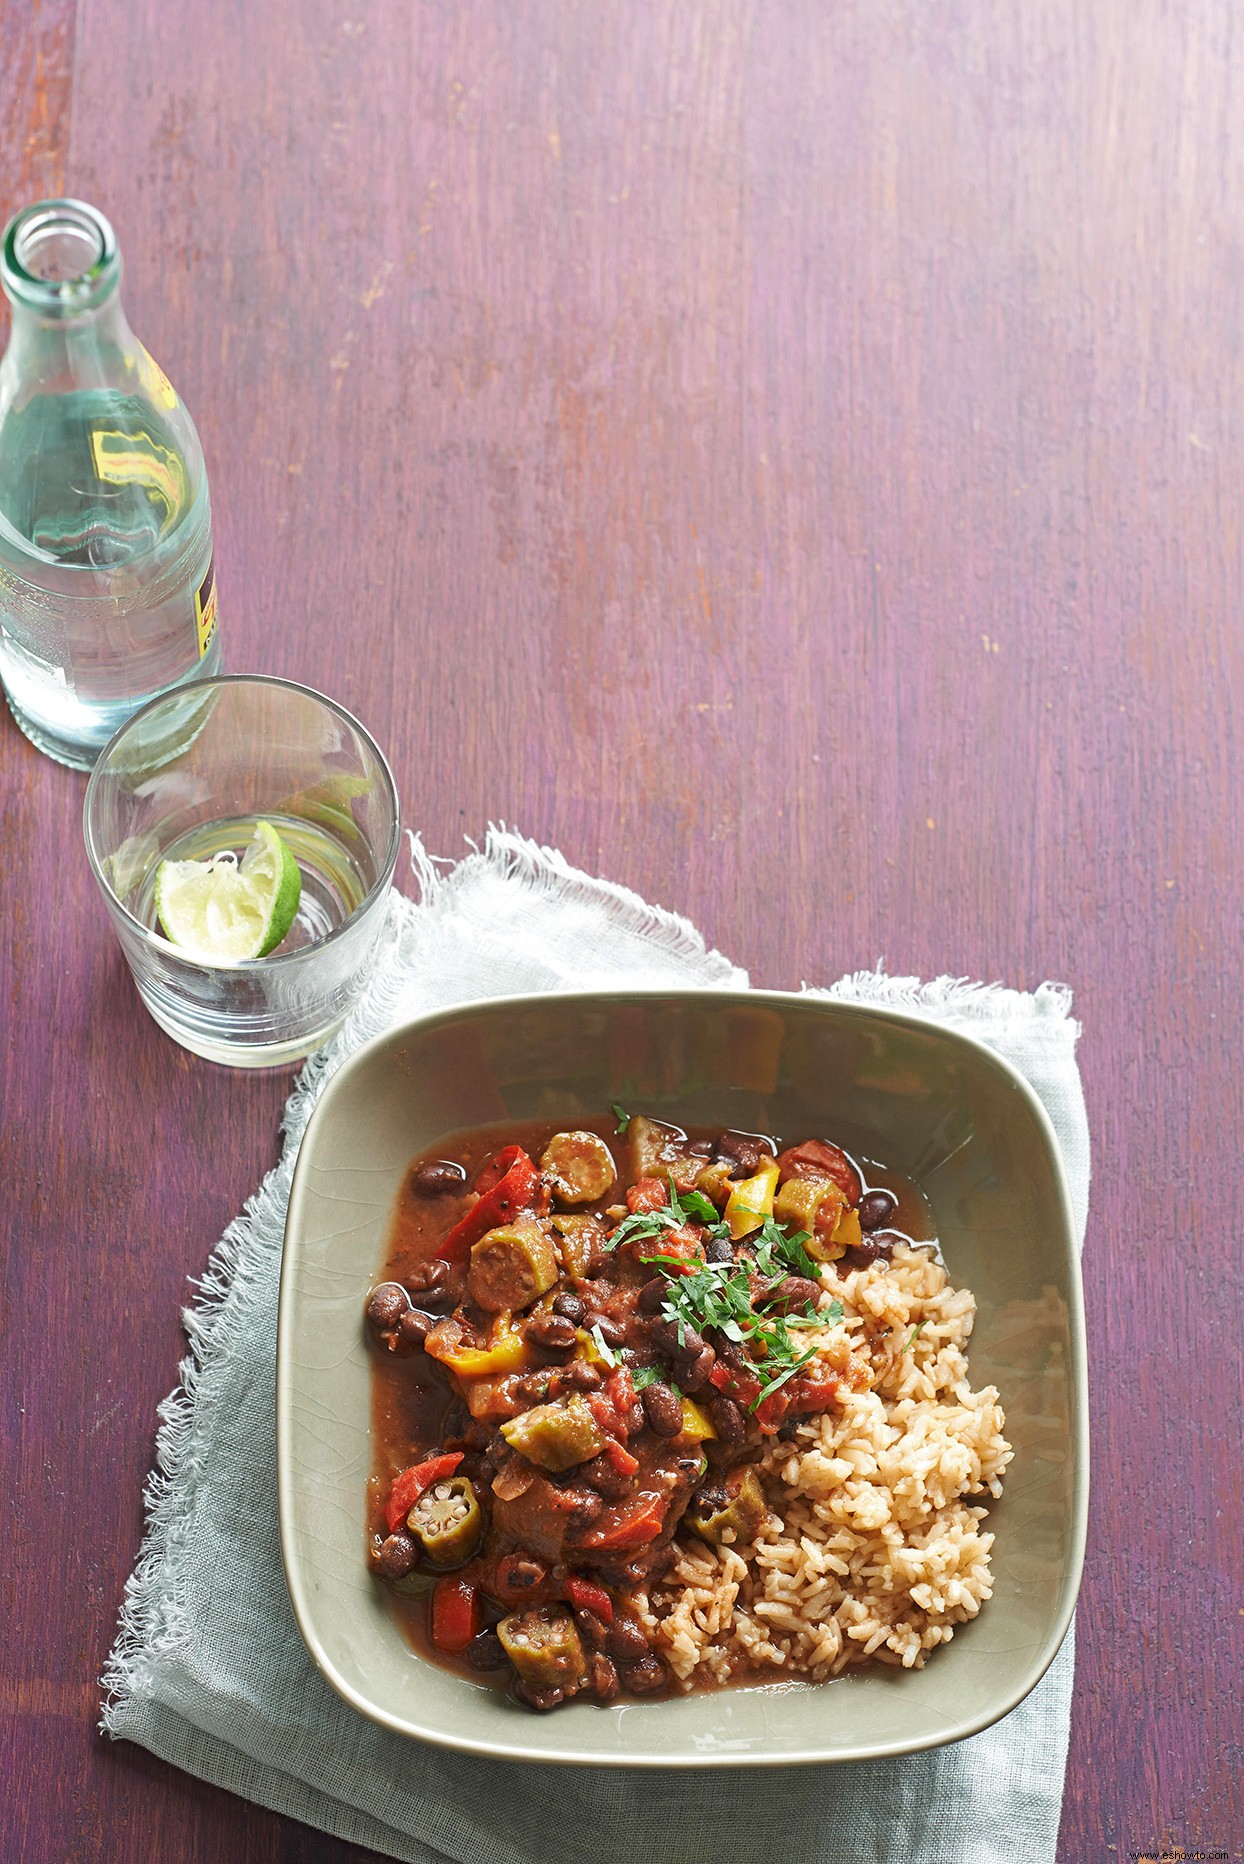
{"points": [[150, 1622], [986, 1003], [548, 874]]}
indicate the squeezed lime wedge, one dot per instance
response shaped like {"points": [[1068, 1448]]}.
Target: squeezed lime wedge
{"points": [[224, 911]]}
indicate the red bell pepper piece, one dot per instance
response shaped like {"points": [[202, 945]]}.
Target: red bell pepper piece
{"points": [[499, 1204], [494, 1169], [585, 1597], [646, 1194], [410, 1485], [457, 1614], [815, 1159]]}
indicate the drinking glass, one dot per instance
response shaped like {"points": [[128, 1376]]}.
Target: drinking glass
{"points": [[188, 777]]}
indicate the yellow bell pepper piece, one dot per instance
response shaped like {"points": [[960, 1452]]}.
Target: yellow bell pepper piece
{"points": [[751, 1200], [696, 1423], [506, 1351], [847, 1232], [588, 1351]]}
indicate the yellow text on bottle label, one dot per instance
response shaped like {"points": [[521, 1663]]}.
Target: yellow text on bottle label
{"points": [[205, 608]]}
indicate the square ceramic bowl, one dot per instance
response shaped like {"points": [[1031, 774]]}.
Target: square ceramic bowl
{"points": [[930, 1103]]}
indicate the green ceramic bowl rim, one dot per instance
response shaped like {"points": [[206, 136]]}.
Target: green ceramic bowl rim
{"points": [[508, 1751]]}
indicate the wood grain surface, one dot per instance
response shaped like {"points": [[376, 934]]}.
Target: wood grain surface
{"points": [[789, 457]]}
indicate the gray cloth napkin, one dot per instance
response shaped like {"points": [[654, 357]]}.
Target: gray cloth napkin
{"points": [[208, 1669]]}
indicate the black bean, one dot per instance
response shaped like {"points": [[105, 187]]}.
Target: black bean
{"points": [[666, 1336], [570, 1307], [612, 1332], [485, 1651], [397, 1556], [742, 1149], [414, 1326], [729, 1422], [719, 1249], [604, 1678], [730, 1351], [877, 1247], [642, 1678], [435, 1179], [662, 1409], [386, 1304], [626, 1641], [542, 1699], [579, 1376], [694, 1370], [652, 1295], [876, 1208], [429, 1280], [793, 1291], [592, 1627], [552, 1331]]}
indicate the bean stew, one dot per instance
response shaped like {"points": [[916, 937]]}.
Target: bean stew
{"points": [[581, 1342]]}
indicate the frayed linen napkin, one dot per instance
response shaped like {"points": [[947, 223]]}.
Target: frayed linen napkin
{"points": [[208, 1668]]}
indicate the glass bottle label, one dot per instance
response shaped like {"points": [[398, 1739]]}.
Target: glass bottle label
{"points": [[205, 608]]}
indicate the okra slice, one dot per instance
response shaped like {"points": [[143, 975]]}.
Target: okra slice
{"points": [[729, 1512], [556, 1436], [447, 1522], [511, 1267], [544, 1646], [580, 1166]]}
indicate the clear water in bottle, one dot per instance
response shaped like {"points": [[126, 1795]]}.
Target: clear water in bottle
{"points": [[107, 588]]}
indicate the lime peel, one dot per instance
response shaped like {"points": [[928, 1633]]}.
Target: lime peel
{"points": [[226, 912]]}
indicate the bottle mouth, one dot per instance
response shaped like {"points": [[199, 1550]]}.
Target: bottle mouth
{"points": [[59, 257]]}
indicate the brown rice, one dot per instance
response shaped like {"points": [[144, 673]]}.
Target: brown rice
{"points": [[872, 1547]]}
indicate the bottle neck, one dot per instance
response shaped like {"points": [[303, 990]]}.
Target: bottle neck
{"points": [[59, 263], [61, 272]]}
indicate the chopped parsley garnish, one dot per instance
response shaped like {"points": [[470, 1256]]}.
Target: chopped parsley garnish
{"points": [[714, 1294], [775, 1251], [603, 1348], [621, 1116], [652, 1375], [643, 1226], [718, 1295], [696, 1205], [788, 1371], [915, 1333]]}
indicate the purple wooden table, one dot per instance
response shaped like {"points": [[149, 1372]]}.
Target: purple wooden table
{"points": [[790, 458]]}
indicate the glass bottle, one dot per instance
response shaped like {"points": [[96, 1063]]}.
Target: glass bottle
{"points": [[107, 591]]}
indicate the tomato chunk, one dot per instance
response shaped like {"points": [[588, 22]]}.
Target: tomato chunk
{"points": [[815, 1159], [646, 1194], [410, 1485]]}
